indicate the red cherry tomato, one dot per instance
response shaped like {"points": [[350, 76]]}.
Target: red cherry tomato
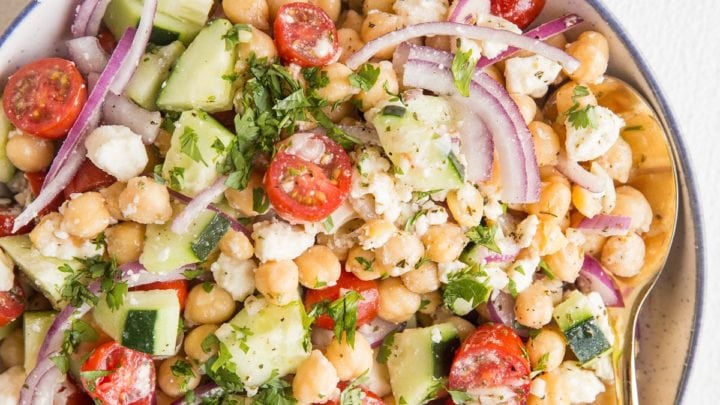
{"points": [[107, 40], [45, 97], [491, 357], [305, 35], [132, 377], [7, 221], [519, 12], [303, 190], [35, 181], [180, 287], [12, 304], [367, 308], [369, 397], [89, 177]]}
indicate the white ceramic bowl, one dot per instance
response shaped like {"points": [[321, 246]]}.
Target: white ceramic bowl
{"points": [[672, 312]]}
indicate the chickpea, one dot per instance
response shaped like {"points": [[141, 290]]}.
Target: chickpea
{"points": [[547, 346], [337, 112], [331, 7], [423, 279], [556, 391], [385, 6], [495, 73], [586, 202], [177, 376], [617, 161], [441, 42], [547, 143], [632, 203], [85, 215], [549, 238], [193, 343], [261, 45], [594, 244], [378, 23], [242, 200], [444, 243], [111, 194], [209, 303], [339, 87], [593, 52], [526, 105], [145, 201], [376, 232], [466, 205], [30, 153], [385, 85], [554, 203], [566, 262], [237, 245], [274, 6], [253, 12], [430, 302], [363, 265], [125, 241], [277, 281], [349, 42], [624, 256], [12, 349], [350, 361], [534, 306], [389, 400], [318, 267], [315, 379], [352, 20], [403, 250], [397, 303], [565, 98]]}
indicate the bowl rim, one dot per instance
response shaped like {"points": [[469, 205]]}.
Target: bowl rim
{"points": [[666, 111]]}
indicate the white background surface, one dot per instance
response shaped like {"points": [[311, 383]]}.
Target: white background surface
{"points": [[681, 42]]}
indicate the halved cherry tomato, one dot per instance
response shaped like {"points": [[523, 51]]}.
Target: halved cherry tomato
{"points": [[89, 177], [180, 287], [491, 357], [368, 398], [367, 308], [7, 221], [308, 191], [131, 380], [519, 12], [106, 38], [35, 181], [45, 97], [12, 304], [305, 35]]}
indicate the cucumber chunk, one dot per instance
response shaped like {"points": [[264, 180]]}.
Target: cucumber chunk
{"points": [[210, 236], [147, 321], [8, 329], [420, 360], [174, 19], [35, 327], [7, 170], [264, 337], [152, 71], [199, 78], [42, 271], [415, 138], [164, 250], [576, 319], [197, 174]]}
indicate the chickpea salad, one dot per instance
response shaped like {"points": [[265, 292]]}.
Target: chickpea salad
{"points": [[353, 202]]}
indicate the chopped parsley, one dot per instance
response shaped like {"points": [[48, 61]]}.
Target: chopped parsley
{"points": [[183, 370], [411, 221], [76, 291], [581, 117], [353, 393], [261, 203], [385, 349], [189, 145], [546, 270], [463, 67], [460, 397], [241, 335], [365, 77], [541, 365], [238, 33], [484, 236], [275, 391], [79, 332], [177, 177], [466, 290], [90, 377], [315, 77], [328, 224], [512, 287], [343, 312], [365, 263], [210, 343]]}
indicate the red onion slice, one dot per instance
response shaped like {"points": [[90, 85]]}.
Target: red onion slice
{"points": [[364, 133], [234, 224], [606, 225], [501, 308], [394, 38], [32, 382], [88, 55], [122, 111], [377, 330], [578, 175], [197, 205], [477, 145], [95, 20], [82, 17], [593, 277], [468, 11], [137, 49], [208, 390]]}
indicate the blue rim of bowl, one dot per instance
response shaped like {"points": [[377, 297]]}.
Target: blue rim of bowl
{"points": [[694, 202], [675, 132]]}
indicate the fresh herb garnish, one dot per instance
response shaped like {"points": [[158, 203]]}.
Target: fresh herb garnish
{"points": [[353, 393], [512, 287], [365, 263], [177, 177], [183, 370], [189, 145], [315, 77], [90, 377], [365, 77], [76, 290], [275, 391], [463, 67], [460, 397], [484, 236], [581, 117], [411, 221], [343, 312], [466, 290], [241, 335], [546, 270], [157, 174], [328, 224], [79, 332], [238, 33], [210, 343], [261, 203], [385, 349], [541, 365]]}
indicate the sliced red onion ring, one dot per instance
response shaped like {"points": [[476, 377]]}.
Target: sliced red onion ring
{"points": [[95, 20], [468, 11], [234, 224], [364, 133], [377, 330], [136, 274], [606, 225], [136, 51], [32, 381], [122, 111], [87, 54], [197, 205], [461, 30], [501, 308], [477, 145], [208, 390], [578, 175], [593, 277], [82, 16]]}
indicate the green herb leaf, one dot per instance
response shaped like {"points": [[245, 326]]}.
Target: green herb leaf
{"points": [[411, 221], [546, 270], [365, 263], [385, 349], [541, 365], [463, 67], [484, 236], [90, 377], [209, 343], [75, 289], [177, 177], [192, 274], [512, 287], [328, 224], [466, 290], [394, 110], [365, 78], [238, 33], [189, 147], [157, 174], [315, 77], [353, 393], [460, 397], [581, 117], [275, 391], [261, 203], [343, 312]]}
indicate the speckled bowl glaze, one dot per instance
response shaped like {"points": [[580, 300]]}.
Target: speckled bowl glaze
{"points": [[671, 314]]}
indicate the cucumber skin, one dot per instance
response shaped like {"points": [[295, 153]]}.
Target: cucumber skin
{"points": [[137, 324], [7, 170], [35, 327], [153, 70], [210, 236], [121, 14]]}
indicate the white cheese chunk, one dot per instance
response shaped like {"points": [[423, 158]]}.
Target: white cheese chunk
{"points": [[421, 11], [117, 150], [530, 75], [235, 276], [582, 386], [278, 240], [583, 144]]}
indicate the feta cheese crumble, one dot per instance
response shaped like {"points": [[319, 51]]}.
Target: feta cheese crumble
{"points": [[117, 150], [583, 144], [530, 75]]}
